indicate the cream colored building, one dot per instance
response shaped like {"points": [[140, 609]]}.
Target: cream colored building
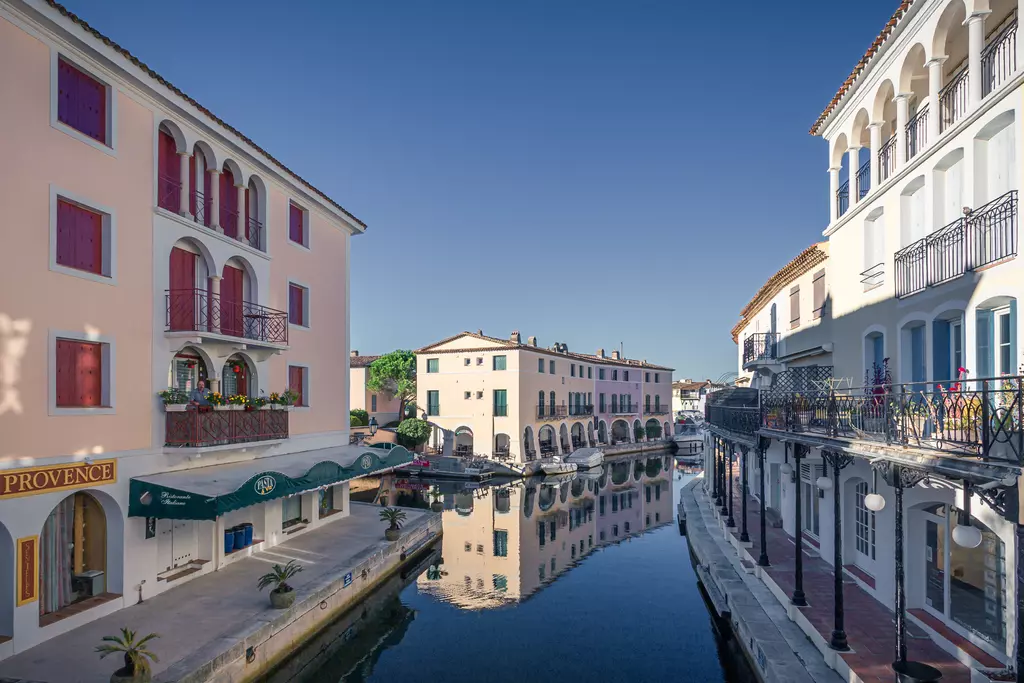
{"points": [[513, 398], [381, 405]]}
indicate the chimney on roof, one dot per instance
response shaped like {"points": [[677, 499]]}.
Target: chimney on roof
{"points": [[532, 341], [480, 332], [514, 337], [600, 353], [353, 353], [615, 355]]}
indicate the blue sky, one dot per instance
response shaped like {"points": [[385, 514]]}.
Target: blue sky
{"points": [[587, 172]]}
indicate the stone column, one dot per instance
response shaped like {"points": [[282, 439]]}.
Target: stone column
{"points": [[186, 190], [213, 201], [214, 305], [240, 230], [934, 87], [975, 44], [875, 130], [902, 118], [853, 160]]}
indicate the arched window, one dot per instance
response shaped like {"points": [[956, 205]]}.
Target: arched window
{"points": [[647, 403], [73, 543], [551, 399], [657, 402]]}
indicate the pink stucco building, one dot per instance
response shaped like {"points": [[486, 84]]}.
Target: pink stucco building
{"points": [[149, 245]]}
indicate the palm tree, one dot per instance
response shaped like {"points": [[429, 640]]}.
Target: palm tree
{"points": [[394, 517], [278, 576], [136, 656]]}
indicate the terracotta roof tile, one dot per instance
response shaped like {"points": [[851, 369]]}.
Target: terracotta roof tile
{"points": [[890, 26], [164, 82], [361, 361]]}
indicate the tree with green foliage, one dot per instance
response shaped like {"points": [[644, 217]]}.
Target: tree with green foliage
{"points": [[413, 432], [395, 374], [360, 418]]}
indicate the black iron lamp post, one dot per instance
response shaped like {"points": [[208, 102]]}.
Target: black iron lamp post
{"points": [[373, 426], [729, 455], [838, 461], [799, 599], [717, 475], [762, 450], [744, 536], [899, 478]]}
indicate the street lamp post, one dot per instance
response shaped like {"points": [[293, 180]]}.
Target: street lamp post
{"points": [[714, 472], [838, 461], [762, 450], [744, 536], [799, 599], [731, 523], [373, 426]]}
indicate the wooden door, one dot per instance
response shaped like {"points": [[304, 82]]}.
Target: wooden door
{"points": [[182, 298], [231, 302]]}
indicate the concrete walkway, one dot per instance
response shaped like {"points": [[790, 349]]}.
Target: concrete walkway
{"points": [[204, 609], [780, 651], [870, 625]]}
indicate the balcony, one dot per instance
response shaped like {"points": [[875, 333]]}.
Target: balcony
{"points": [[205, 428], [196, 310], [734, 410], [864, 179], [917, 132], [842, 199], [581, 410], [954, 100], [976, 418], [657, 410], [628, 409], [887, 159], [999, 59], [760, 348], [873, 276], [551, 412], [984, 236]]}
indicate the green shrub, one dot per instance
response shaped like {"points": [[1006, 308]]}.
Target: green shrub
{"points": [[359, 417], [413, 432]]}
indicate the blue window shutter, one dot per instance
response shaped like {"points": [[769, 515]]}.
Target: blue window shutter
{"points": [[941, 371]]}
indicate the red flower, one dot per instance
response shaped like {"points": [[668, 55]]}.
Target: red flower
{"points": [[238, 369]]}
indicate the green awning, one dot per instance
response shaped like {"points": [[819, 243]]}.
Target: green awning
{"points": [[208, 492]]}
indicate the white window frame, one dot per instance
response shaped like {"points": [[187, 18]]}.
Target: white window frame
{"points": [[307, 226], [865, 525], [111, 106], [305, 306], [109, 360], [109, 276], [997, 342], [305, 386]]}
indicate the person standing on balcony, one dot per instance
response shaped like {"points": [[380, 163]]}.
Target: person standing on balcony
{"points": [[200, 396]]}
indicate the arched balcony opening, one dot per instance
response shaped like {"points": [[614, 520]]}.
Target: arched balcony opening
{"points": [[546, 441], [620, 432], [577, 436], [952, 42], [464, 441], [913, 87], [501, 446], [840, 172], [883, 116], [238, 377], [187, 368], [860, 152], [170, 146], [232, 200], [652, 429], [200, 182], [255, 214]]}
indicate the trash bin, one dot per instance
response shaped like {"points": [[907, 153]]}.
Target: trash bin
{"points": [[239, 537], [229, 540], [248, 534]]}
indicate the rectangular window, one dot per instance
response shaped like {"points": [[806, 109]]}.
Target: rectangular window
{"points": [[499, 581], [499, 362], [551, 528], [79, 374], [298, 298], [325, 499], [572, 369], [467, 395], [298, 230], [600, 398], [432, 365], [657, 378], [373, 403], [615, 402], [819, 293], [551, 367], [298, 381], [590, 372], [615, 375], [865, 522], [600, 373], [794, 307], [291, 511], [81, 101], [615, 503], [811, 502], [540, 365], [542, 533], [500, 543], [433, 403], [625, 375], [500, 403], [1004, 338], [647, 377], [80, 239]]}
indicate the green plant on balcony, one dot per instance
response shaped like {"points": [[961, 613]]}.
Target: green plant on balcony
{"points": [[638, 432], [289, 397], [256, 403], [173, 396], [238, 401]]}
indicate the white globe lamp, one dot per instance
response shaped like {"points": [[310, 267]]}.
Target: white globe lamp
{"points": [[874, 502], [966, 536], [823, 483]]}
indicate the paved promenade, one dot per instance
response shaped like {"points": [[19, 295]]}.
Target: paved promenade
{"points": [[870, 625], [203, 610]]}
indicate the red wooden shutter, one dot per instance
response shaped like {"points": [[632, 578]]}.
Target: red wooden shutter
{"points": [[81, 101], [90, 374], [247, 215], [296, 375], [65, 234], [79, 238], [168, 167], [209, 208], [66, 85], [231, 302], [228, 201], [296, 315], [65, 367], [182, 295], [295, 227], [192, 186]]}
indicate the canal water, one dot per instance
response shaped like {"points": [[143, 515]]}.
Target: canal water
{"points": [[579, 578]]}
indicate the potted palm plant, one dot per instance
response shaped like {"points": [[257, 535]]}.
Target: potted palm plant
{"points": [[137, 657], [395, 518], [436, 505], [283, 595]]}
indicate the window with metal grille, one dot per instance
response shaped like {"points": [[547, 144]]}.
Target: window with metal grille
{"points": [[865, 522]]}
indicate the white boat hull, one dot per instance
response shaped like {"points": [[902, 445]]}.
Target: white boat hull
{"points": [[557, 467], [587, 461]]}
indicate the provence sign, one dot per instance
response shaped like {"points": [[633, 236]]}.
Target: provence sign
{"points": [[73, 475], [265, 485]]}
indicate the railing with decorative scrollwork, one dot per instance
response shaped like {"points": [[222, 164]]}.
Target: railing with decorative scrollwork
{"points": [[760, 347], [842, 199], [972, 418], [887, 159], [204, 426], [999, 59], [734, 409], [917, 132], [197, 310], [864, 179]]}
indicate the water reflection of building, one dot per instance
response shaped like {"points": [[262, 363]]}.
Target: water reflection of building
{"points": [[504, 543]]}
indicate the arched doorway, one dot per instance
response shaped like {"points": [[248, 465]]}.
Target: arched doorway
{"points": [[72, 554], [187, 368], [546, 439], [652, 430], [577, 435], [463, 441], [239, 377], [602, 432], [563, 439], [620, 432], [501, 446]]}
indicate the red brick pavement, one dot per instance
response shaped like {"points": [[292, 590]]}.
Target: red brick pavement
{"points": [[870, 626]]}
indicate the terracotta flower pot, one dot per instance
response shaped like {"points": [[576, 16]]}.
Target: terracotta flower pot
{"points": [[282, 599], [392, 534]]}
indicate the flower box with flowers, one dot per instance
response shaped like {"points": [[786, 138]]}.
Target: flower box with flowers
{"points": [[218, 401], [237, 401], [175, 400]]}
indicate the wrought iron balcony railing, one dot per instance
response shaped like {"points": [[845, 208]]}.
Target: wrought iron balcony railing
{"points": [[627, 409], [733, 409], [873, 276], [550, 412], [842, 199], [168, 194], [581, 410], [196, 310], [982, 237], [207, 427], [972, 418], [917, 132], [657, 410], [864, 179], [760, 347], [999, 59], [887, 159], [954, 99], [255, 235]]}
